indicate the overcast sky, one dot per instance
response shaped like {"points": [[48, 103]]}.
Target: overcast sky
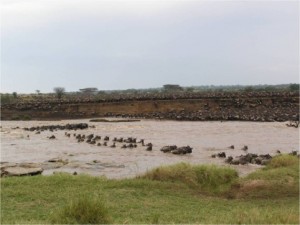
{"points": [[141, 44]]}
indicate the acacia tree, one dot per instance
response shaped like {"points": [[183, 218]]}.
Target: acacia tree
{"points": [[15, 95], [59, 91], [294, 87]]}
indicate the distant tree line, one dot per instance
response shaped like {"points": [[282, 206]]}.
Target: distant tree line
{"points": [[8, 98], [94, 94]]}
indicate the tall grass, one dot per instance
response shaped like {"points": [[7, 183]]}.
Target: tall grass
{"points": [[83, 210], [283, 161], [279, 178], [208, 178]]}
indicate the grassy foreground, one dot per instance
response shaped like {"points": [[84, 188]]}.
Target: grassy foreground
{"points": [[175, 194]]}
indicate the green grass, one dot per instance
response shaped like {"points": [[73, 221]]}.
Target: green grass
{"points": [[176, 199]]}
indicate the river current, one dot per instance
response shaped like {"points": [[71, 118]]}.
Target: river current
{"points": [[206, 138]]}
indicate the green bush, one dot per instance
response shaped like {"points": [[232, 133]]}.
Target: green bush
{"points": [[26, 117], [5, 99], [294, 87], [15, 117], [84, 210], [15, 95]]}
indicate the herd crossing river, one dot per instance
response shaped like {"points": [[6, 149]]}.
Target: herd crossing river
{"points": [[65, 153]]}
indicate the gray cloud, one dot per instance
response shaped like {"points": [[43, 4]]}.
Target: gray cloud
{"points": [[130, 44]]}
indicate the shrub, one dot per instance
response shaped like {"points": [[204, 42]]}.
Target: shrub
{"points": [[84, 210], [15, 117], [26, 117], [59, 91], [6, 99], [294, 87], [21, 117]]}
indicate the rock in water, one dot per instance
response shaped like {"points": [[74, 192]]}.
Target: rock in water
{"points": [[20, 171]]}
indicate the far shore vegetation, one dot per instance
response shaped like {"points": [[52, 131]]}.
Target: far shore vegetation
{"points": [[60, 93], [180, 193]]}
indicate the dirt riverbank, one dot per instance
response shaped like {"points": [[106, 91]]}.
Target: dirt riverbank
{"points": [[265, 108]]}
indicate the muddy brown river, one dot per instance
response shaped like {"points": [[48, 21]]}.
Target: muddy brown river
{"points": [[206, 138]]}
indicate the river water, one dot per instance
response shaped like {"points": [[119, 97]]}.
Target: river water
{"points": [[206, 138]]}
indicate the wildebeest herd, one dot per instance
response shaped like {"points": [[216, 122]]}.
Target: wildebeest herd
{"points": [[132, 142], [252, 158], [93, 139]]}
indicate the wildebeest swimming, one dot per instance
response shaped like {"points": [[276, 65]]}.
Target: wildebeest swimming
{"points": [[93, 139], [178, 151]]}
